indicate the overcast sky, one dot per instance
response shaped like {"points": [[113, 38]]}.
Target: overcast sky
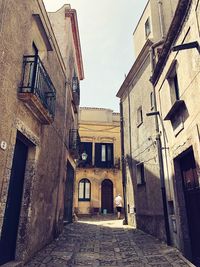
{"points": [[106, 29]]}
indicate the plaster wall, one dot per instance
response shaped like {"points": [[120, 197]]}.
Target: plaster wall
{"points": [[42, 202], [144, 201], [151, 11], [187, 134]]}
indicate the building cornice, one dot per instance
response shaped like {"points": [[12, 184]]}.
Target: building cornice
{"points": [[131, 75], [95, 108], [172, 35], [71, 13]]}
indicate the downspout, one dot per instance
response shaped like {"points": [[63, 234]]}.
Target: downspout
{"points": [[161, 18], [129, 117], [152, 53], [160, 156], [124, 179], [130, 140]]}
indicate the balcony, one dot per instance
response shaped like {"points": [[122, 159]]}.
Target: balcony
{"points": [[37, 90], [176, 108], [74, 143], [76, 90]]}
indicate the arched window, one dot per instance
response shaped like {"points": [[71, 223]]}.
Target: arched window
{"points": [[84, 190]]}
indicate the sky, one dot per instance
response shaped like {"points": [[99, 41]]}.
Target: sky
{"points": [[106, 34]]}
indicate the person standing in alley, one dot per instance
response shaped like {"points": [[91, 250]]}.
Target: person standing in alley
{"points": [[118, 205]]}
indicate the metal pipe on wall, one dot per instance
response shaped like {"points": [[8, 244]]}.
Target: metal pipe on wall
{"points": [[123, 161], [159, 149]]}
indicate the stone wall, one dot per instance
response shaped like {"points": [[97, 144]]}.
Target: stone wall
{"points": [[181, 135], [45, 167]]}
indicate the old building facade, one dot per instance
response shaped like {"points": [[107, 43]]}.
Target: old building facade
{"points": [[65, 26], [98, 175], [36, 111], [160, 123], [144, 197], [176, 81]]}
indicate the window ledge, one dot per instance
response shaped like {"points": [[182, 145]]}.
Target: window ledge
{"points": [[178, 105]]}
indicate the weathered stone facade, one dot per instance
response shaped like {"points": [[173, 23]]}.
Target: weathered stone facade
{"points": [[65, 25], [141, 159], [98, 126], [27, 118], [180, 124]]}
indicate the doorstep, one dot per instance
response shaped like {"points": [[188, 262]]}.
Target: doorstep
{"points": [[13, 264]]}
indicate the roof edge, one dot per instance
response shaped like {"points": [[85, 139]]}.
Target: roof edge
{"points": [[139, 59], [172, 35], [71, 13]]}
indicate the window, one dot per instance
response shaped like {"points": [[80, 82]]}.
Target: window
{"points": [[139, 116], [75, 84], [174, 88], [173, 83], [147, 27], [85, 147], [152, 100], [84, 190], [140, 174], [104, 155]]}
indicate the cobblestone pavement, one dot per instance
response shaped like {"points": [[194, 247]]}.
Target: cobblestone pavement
{"points": [[104, 241]]}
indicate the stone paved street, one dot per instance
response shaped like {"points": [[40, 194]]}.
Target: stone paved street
{"points": [[104, 241]]}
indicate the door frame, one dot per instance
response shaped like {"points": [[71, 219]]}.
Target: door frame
{"points": [[111, 198], [32, 141], [14, 200], [182, 216], [69, 188]]}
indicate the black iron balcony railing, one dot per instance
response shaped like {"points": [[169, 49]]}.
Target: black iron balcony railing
{"points": [[74, 142], [76, 90], [36, 81]]}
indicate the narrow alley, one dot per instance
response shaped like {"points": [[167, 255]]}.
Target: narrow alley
{"points": [[105, 241], [99, 116]]}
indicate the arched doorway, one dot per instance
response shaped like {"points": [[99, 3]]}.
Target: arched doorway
{"points": [[107, 196]]}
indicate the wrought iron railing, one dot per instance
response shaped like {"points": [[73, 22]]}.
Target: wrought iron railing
{"points": [[76, 90], [36, 80], [74, 142]]}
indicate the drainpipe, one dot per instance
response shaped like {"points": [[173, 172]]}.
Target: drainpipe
{"points": [[161, 18], [159, 149], [124, 179], [152, 53]]}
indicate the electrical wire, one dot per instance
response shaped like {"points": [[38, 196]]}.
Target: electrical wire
{"points": [[135, 156]]}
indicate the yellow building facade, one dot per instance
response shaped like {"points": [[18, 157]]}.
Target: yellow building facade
{"points": [[98, 173]]}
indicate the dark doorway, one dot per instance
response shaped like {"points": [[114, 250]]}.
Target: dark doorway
{"points": [[13, 204], [107, 196], [192, 200], [69, 189]]}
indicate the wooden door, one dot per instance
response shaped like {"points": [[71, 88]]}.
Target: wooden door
{"points": [[107, 196], [13, 204], [69, 190], [192, 199]]}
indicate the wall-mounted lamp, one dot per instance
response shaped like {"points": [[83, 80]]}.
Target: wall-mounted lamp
{"points": [[84, 156]]}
